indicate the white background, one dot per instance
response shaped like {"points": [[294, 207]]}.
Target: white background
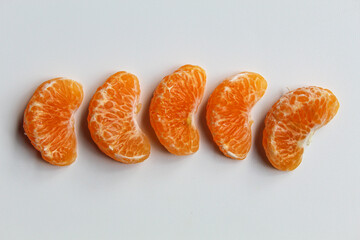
{"points": [[206, 195]]}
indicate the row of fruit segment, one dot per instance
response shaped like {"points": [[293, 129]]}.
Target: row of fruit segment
{"points": [[49, 117]]}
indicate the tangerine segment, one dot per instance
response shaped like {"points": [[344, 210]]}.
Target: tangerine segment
{"points": [[111, 119], [228, 112], [49, 120], [292, 121], [173, 107]]}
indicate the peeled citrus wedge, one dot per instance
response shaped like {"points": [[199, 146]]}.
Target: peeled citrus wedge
{"points": [[112, 119], [292, 121], [228, 112], [49, 120], [173, 108]]}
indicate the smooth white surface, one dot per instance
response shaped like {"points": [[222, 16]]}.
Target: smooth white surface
{"points": [[206, 195]]}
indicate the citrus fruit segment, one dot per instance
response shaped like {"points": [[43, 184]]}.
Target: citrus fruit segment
{"points": [[49, 120], [173, 108], [111, 119], [292, 121], [228, 112]]}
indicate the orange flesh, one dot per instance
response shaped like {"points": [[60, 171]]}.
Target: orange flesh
{"points": [[293, 119], [228, 112], [49, 120], [112, 122], [173, 108]]}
